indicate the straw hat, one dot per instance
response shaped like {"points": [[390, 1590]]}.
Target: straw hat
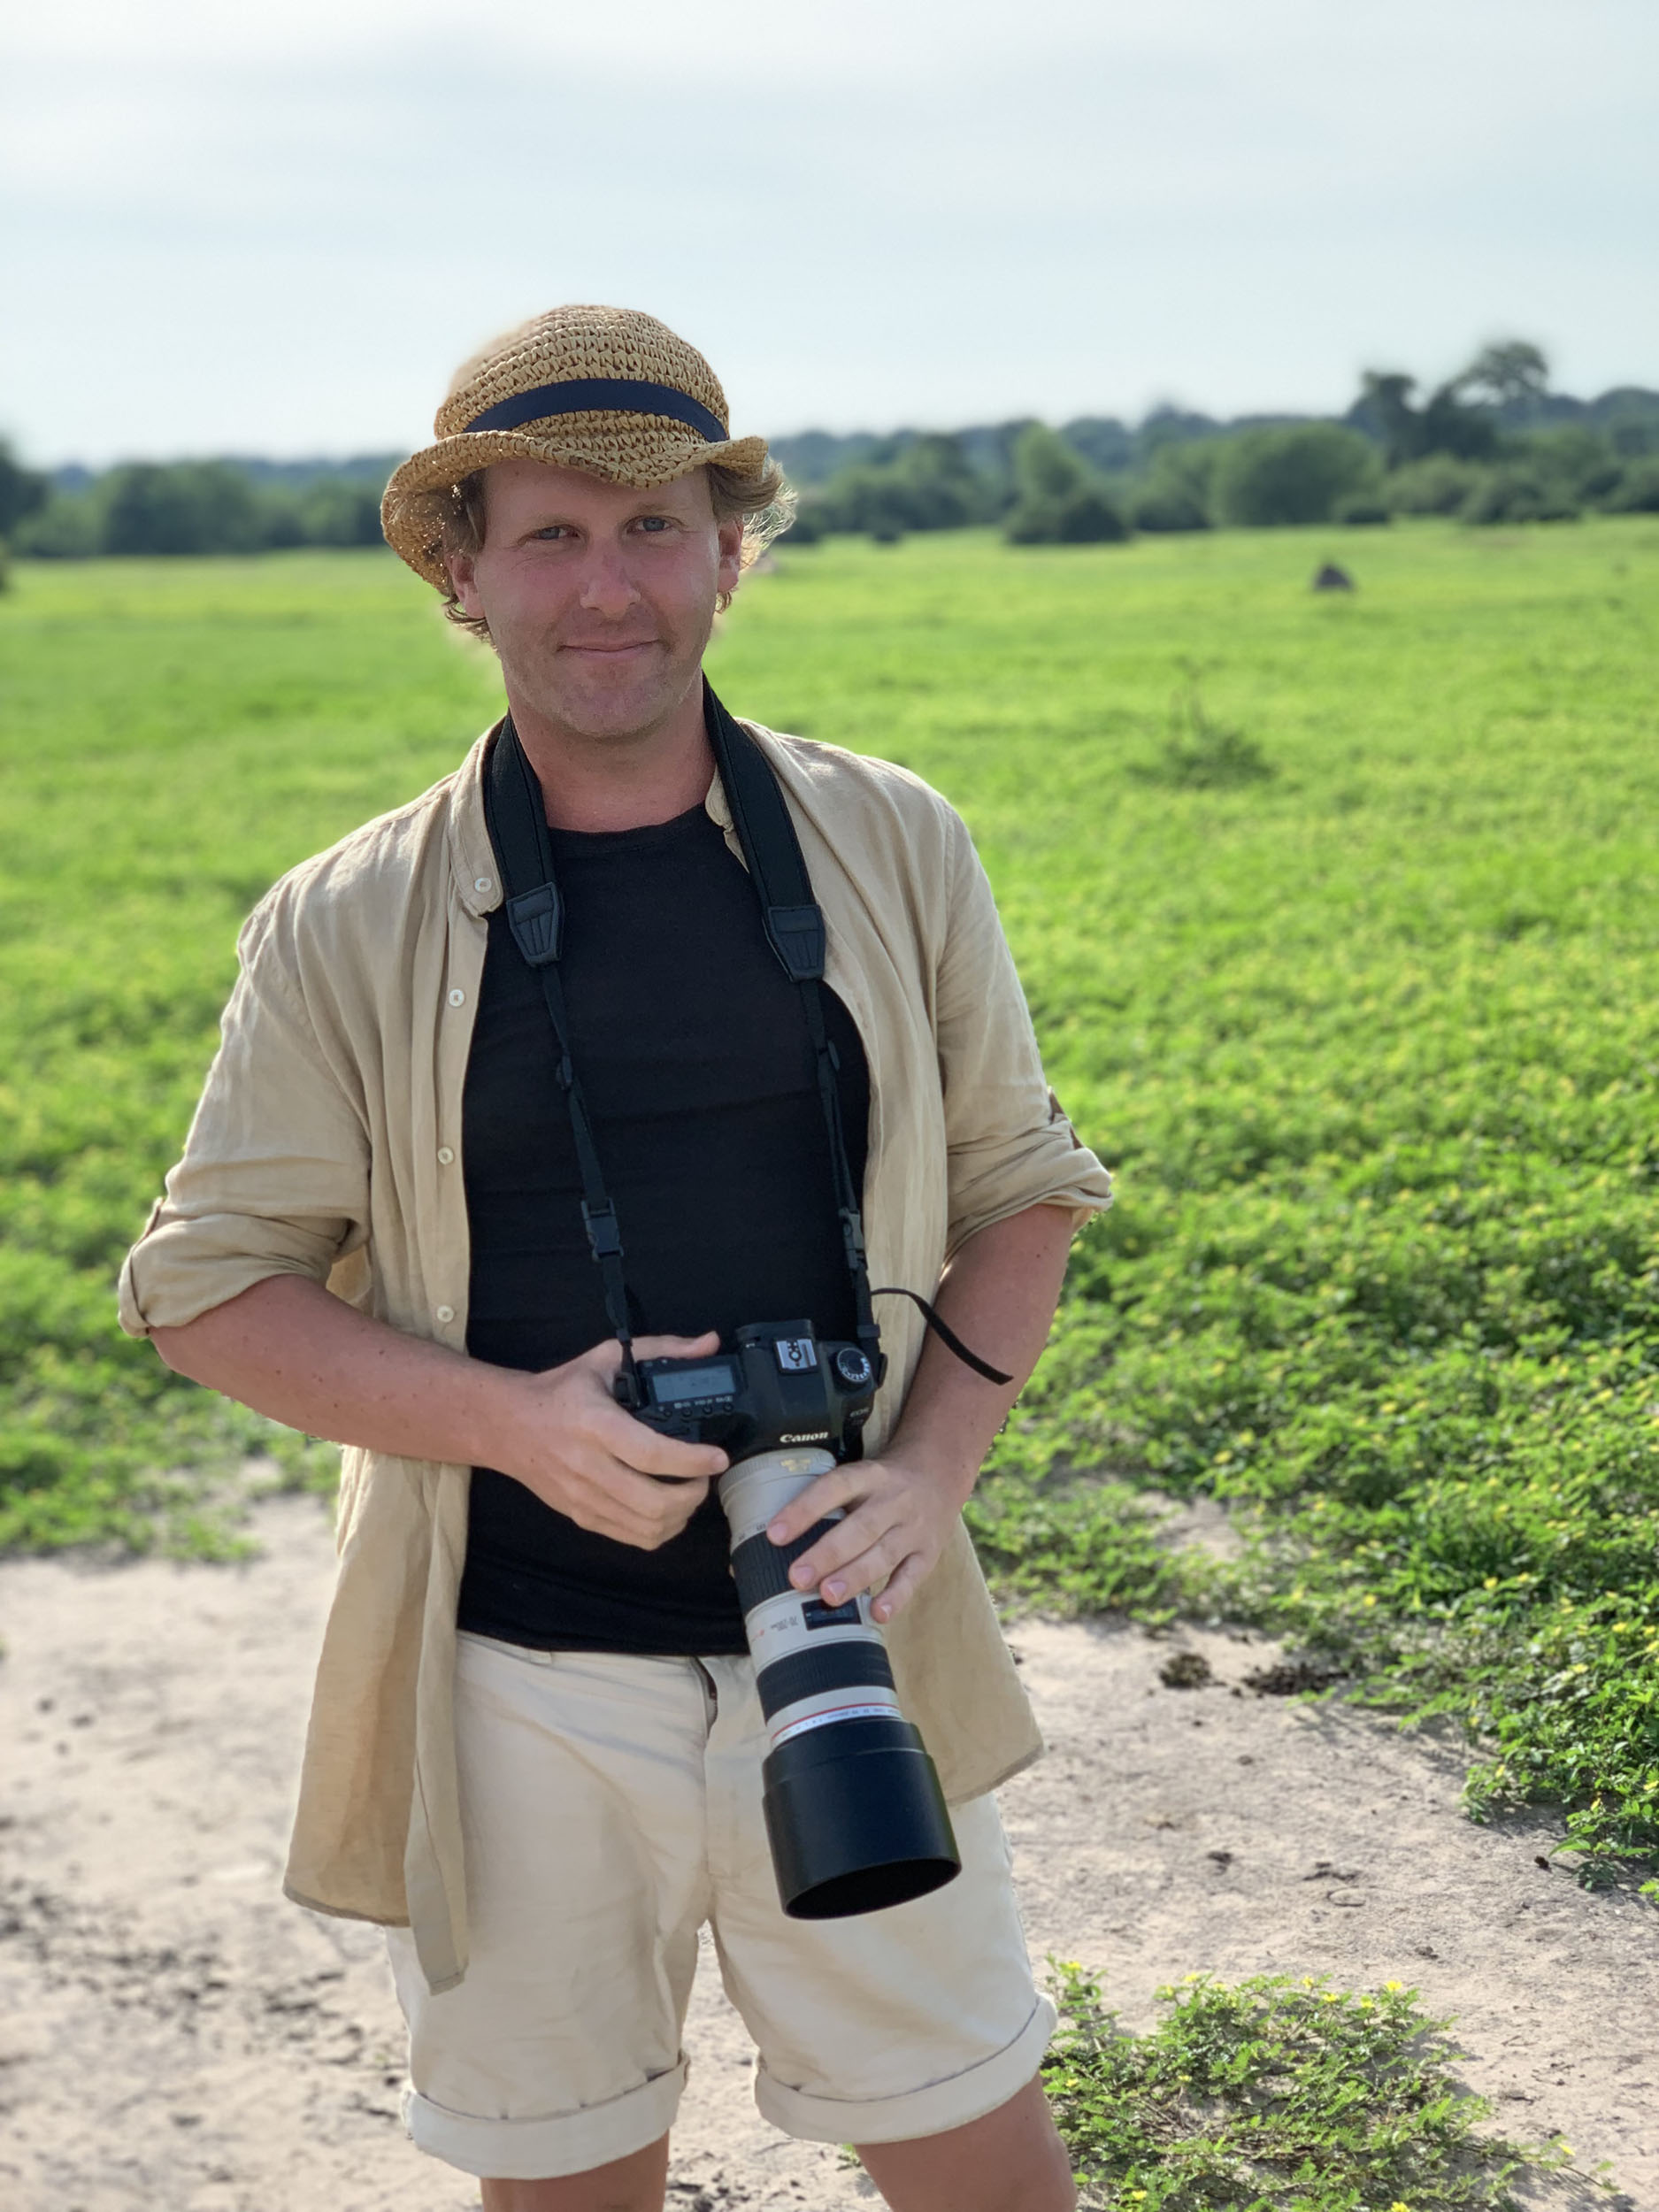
{"points": [[601, 388]]}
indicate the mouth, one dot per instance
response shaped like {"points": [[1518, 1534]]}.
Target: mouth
{"points": [[610, 650]]}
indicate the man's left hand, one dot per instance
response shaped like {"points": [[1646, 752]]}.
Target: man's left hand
{"points": [[898, 1513]]}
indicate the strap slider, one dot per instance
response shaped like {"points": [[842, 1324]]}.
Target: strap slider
{"points": [[797, 938], [536, 920], [604, 1232]]}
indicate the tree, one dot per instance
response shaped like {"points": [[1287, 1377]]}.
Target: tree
{"points": [[1061, 501], [1511, 376], [23, 492], [190, 507], [1385, 406], [1266, 478]]}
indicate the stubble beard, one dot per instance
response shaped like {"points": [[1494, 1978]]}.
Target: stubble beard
{"points": [[588, 703]]}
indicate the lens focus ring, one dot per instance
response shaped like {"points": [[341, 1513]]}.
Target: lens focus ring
{"points": [[762, 1568]]}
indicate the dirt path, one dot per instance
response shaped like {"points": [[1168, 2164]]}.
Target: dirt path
{"points": [[173, 2035]]}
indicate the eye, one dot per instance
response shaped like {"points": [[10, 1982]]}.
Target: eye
{"points": [[553, 530], [655, 524]]}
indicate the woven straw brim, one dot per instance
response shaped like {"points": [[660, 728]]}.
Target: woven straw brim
{"points": [[606, 445]]}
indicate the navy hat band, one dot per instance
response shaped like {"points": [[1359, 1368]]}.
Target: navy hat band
{"points": [[585, 395]]}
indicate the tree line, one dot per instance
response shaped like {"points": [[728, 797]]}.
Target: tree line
{"points": [[190, 507], [1493, 444]]}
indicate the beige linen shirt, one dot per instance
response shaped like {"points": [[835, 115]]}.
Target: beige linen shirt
{"points": [[327, 1144]]}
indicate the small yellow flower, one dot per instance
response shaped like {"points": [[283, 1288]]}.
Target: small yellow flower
{"points": [[1394, 1985]]}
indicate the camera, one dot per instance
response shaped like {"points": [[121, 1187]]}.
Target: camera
{"points": [[780, 1384], [855, 1814]]}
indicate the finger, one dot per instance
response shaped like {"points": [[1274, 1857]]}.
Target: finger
{"points": [[642, 1449], [842, 1543], [673, 1346], [868, 1569], [906, 1580], [605, 1359], [636, 1509], [831, 1493]]}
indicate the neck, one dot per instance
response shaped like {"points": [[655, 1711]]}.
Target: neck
{"points": [[618, 782]]}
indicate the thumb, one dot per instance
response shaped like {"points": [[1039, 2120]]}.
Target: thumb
{"points": [[669, 1347]]}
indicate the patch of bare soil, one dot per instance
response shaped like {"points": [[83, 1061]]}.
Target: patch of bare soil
{"points": [[174, 2033]]}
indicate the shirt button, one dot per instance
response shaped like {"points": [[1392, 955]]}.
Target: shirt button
{"points": [[446, 1158], [457, 998], [446, 1313], [481, 883]]}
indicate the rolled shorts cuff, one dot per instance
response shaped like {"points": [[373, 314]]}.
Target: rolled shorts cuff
{"points": [[549, 2148], [940, 2106]]}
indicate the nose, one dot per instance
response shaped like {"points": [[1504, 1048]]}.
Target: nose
{"points": [[607, 587]]}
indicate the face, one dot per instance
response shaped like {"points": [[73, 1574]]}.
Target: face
{"points": [[599, 598]]}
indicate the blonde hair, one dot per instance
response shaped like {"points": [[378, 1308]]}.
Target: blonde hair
{"points": [[765, 501]]}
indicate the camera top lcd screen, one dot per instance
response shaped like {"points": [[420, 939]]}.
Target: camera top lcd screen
{"points": [[672, 1387]]}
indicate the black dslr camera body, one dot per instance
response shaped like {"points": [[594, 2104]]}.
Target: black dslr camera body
{"points": [[781, 1386]]}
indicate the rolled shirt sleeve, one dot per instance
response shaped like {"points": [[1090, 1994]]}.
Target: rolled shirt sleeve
{"points": [[1008, 1144], [275, 1179]]}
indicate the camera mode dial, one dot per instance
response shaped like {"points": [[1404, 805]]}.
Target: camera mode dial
{"points": [[853, 1369]]}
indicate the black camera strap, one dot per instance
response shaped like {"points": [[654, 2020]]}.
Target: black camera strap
{"points": [[795, 930], [515, 813]]}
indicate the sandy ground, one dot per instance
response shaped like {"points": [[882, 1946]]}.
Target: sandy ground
{"points": [[175, 2037]]}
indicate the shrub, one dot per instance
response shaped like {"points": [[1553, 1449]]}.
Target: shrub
{"points": [[1517, 494], [1283, 2095], [804, 527], [1168, 507], [1267, 477], [1440, 485], [1362, 507], [1637, 490], [1061, 501], [68, 528], [192, 507], [1573, 462], [929, 486]]}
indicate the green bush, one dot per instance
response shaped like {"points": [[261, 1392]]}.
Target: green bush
{"points": [[1275, 2095], [1168, 507], [1061, 501], [1637, 490], [1362, 507], [1515, 494], [929, 486], [1438, 485], [1573, 461], [191, 507], [68, 528], [1268, 478]]}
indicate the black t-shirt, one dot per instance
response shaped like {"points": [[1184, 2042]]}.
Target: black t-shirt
{"points": [[692, 1048]]}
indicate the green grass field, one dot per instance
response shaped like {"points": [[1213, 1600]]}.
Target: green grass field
{"points": [[1337, 914]]}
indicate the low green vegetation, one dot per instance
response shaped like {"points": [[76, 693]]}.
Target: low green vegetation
{"points": [[1277, 2095], [1337, 915]]}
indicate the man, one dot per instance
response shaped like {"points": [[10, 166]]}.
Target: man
{"points": [[534, 1749]]}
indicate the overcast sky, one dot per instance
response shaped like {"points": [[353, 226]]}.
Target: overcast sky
{"points": [[277, 229]]}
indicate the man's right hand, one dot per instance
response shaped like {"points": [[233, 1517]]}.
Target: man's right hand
{"points": [[288, 1348], [565, 1438]]}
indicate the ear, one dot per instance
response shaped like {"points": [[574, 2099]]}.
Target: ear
{"points": [[463, 569], [731, 568]]}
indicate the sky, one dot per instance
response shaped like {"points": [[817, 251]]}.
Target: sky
{"points": [[278, 230]]}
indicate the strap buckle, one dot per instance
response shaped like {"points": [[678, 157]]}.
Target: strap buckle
{"points": [[604, 1232]]}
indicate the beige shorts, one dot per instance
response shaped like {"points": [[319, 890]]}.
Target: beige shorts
{"points": [[611, 1807]]}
